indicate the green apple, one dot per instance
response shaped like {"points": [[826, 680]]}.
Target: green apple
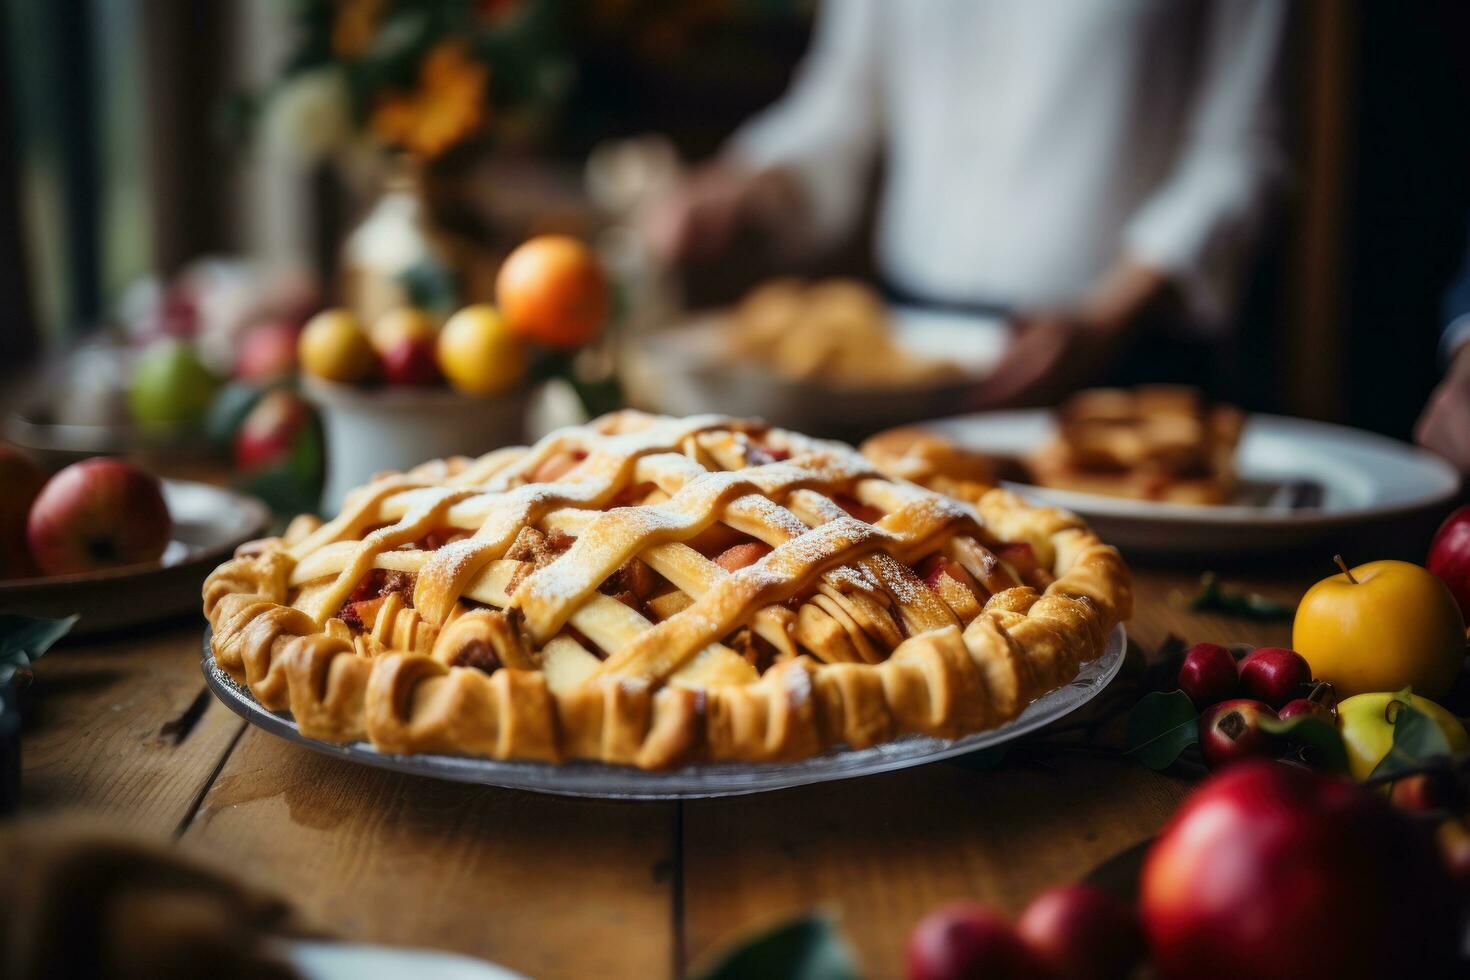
{"points": [[1367, 728], [170, 385]]}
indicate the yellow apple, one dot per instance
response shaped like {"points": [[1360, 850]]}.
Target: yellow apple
{"points": [[1367, 728], [1382, 626], [478, 353], [334, 346]]}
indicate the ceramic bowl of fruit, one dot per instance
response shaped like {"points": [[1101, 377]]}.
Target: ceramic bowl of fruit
{"points": [[109, 541], [405, 387]]}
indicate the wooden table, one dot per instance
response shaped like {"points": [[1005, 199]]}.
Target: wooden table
{"points": [[564, 888]]}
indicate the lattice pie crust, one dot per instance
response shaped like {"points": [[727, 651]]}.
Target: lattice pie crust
{"points": [[654, 591]]}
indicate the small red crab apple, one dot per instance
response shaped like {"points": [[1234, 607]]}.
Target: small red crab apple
{"points": [[1297, 707], [1082, 932], [1231, 731], [1208, 674], [1425, 792], [966, 941], [1274, 675]]}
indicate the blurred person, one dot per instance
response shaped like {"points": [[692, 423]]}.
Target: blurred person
{"points": [[1090, 167], [1444, 425]]}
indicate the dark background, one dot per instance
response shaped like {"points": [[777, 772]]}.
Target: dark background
{"points": [[1343, 318]]}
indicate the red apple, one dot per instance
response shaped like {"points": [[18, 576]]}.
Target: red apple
{"points": [[411, 361], [1208, 674], [1274, 675], [178, 313], [1424, 792], [1449, 556], [1453, 841], [99, 513], [1231, 731], [270, 429], [21, 480], [267, 351], [965, 941], [1083, 932], [1270, 870]]}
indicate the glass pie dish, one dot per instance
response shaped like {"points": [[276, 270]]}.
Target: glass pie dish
{"points": [[694, 781]]}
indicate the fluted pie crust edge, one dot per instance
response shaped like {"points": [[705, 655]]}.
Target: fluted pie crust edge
{"points": [[946, 682]]}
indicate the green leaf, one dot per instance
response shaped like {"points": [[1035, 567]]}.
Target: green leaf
{"points": [[1161, 726], [307, 464], [228, 411], [23, 639], [294, 485], [1216, 598], [807, 948], [1318, 736], [1416, 740], [432, 285]]}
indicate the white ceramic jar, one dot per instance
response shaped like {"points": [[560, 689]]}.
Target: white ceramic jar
{"points": [[369, 430]]}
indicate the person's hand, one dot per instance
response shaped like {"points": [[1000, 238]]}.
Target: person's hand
{"points": [[1052, 354], [1057, 351], [1444, 426], [705, 213]]}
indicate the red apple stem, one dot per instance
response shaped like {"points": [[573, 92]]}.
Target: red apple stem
{"points": [[1345, 570]]}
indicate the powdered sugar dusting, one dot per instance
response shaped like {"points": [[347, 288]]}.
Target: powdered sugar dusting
{"points": [[699, 463]]}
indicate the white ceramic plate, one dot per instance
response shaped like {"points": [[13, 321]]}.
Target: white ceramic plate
{"points": [[685, 371], [208, 524], [318, 960], [596, 779], [1362, 478]]}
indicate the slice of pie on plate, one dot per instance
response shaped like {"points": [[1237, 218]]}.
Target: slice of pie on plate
{"points": [[1153, 442], [655, 591]]}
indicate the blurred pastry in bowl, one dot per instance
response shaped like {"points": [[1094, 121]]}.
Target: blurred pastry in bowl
{"points": [[835, 331], [1154, 442], [827, 358]]}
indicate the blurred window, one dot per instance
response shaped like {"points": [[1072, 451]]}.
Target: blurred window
{"points": [[75, 102]]}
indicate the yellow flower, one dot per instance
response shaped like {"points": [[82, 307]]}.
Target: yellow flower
{"points": [[355, 24], [448, 105]]}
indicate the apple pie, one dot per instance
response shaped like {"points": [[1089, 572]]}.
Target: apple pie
{"points": [[654, 591], [1154, 442]]}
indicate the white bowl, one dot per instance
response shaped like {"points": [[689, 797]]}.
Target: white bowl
{"points": [[685, 370], [369, 430]]}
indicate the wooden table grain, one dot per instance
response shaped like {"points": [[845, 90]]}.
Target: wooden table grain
{"points": [[124, 729]]}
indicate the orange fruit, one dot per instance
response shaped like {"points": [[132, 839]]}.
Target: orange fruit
{"points": [[334, 346], [478, 353], [552, 290]]}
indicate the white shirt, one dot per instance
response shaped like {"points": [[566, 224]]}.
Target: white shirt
{"points": [[1030, 143]]}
